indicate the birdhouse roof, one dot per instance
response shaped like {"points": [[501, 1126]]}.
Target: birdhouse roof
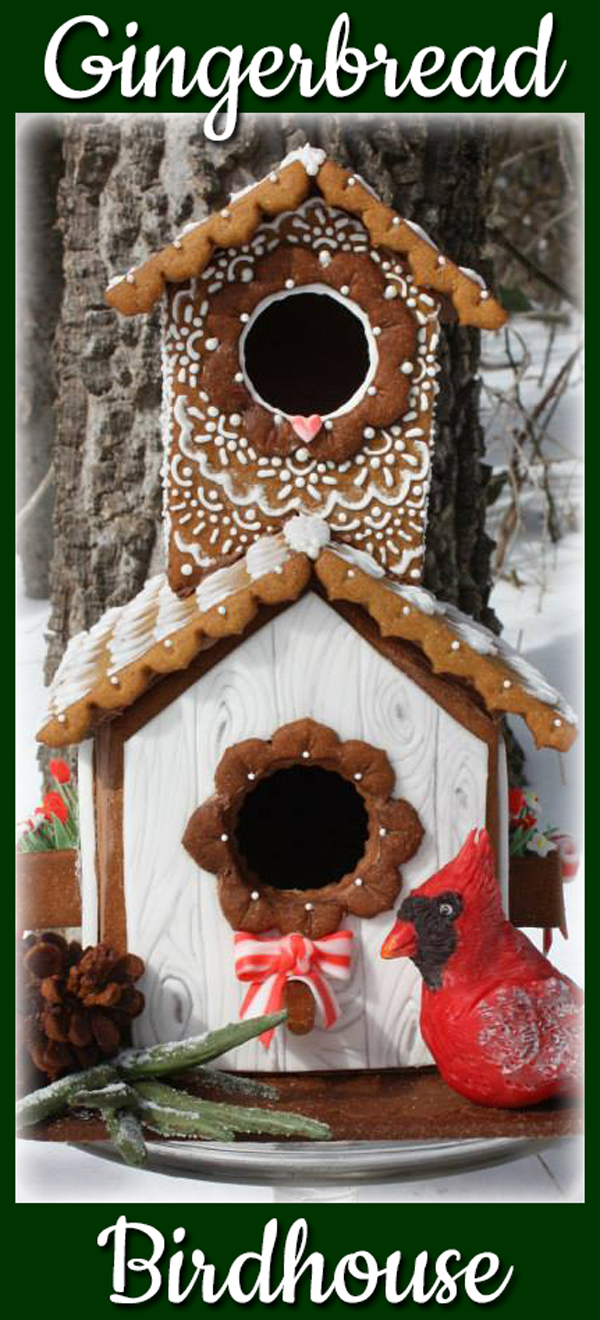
{"points": [[284, 189], [106, 669]]}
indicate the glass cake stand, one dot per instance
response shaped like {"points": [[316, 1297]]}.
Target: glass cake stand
{"points": [[307, 1164]]}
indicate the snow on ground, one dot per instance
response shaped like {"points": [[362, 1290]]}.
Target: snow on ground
{"points": [[32, 622], [539, 595]]}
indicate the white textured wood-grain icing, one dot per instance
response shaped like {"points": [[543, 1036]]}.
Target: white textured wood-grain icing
{"points": [[306, 662]]}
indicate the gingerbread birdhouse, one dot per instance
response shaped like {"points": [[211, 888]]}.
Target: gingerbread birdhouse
{"points": [[285, 730]]}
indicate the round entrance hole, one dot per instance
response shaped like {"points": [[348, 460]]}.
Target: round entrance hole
{"points": [[306, 353], [302, 828]]}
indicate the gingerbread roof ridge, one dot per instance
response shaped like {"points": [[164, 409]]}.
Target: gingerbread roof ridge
{"points": [[283, 190], [105, 669]]}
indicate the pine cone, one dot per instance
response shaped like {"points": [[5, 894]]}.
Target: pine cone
{"points": [[75, 1006]]}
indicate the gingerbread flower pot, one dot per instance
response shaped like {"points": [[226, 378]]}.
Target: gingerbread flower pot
{"points": [[48, 889], [536, 892]]}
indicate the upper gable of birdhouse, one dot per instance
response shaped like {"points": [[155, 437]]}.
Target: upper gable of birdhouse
{"points": [[300, 338]]}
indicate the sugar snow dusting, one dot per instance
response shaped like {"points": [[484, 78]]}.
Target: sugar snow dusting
{"points": [[538, 1030]]}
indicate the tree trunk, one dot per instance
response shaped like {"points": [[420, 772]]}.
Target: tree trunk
{"points": [[128, 184]]}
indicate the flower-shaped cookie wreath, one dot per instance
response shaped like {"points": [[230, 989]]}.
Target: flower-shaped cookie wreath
{"points": [[394, 833]]}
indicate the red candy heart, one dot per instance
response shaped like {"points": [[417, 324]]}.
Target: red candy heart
{"points": [[307, 427]]}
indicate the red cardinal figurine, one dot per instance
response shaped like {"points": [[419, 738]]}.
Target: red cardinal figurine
{"points": [[503, 1025]]}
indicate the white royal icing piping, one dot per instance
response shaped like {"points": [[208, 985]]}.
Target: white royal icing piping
{"points": [[307, 534], [282, 487]]}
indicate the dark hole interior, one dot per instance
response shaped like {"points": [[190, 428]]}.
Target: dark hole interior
{"points": [[306, 354], [302, 828]]}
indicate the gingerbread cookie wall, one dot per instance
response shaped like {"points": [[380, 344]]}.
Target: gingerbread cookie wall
{"points": [[237, 464]]}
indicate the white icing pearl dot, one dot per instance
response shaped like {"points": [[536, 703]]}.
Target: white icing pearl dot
{"points": [[309, 907], [289, 284], [244, 317], [350, 573], [345, 289], [328, 425], [455, 646], [212, 411], [211, 344], [485, 293], [62, 719], [224, 838], [414, 573], [222, 609], [557, 724], [351, 181], [376, 329], [186, 569], [372, 389], [235, 419], [187, 471], [210, 426], [368, 432], [130, 279], [225, 214], [358, 776], [251, 775], [396, 221], [247, 275], [306, 755], [375, 463], [278, 419], [302, 455], [177, 243], [382, 833], [390, 292], [238, 378], [255, 895], [407, 368], [507, 683], [115, 681], [411, 302], [358, 882], [300, 482], [272, 178], [325, 258], [167, 644], [406, 609]]}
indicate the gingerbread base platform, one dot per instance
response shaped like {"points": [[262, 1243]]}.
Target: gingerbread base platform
{"points": [[407, 1104]]}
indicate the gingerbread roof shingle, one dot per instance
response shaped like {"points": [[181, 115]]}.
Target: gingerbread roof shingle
{"points": [[282, 190], [105, 670]]}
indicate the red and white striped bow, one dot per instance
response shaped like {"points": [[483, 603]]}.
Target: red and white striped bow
{"points": [[268, 963]]}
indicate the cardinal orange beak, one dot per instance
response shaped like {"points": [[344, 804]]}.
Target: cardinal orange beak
{"points": [[401, 941]]}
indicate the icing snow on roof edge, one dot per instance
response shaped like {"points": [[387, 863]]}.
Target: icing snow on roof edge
{"points": [[284, 189], [106, 669]]}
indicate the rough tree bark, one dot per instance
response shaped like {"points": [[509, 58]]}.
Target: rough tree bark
{"points": [[128, 183]]}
